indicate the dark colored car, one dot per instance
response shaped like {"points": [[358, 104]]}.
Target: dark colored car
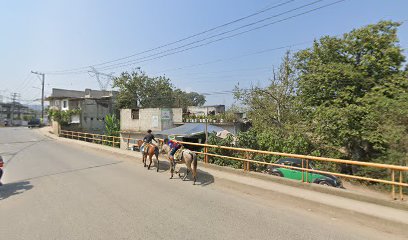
{"points": [[34, 123], [319, 178]]}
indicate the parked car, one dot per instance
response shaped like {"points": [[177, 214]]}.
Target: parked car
{"points": [[34, 123], [319, 178]]}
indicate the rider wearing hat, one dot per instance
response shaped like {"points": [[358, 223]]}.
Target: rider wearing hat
{"points": [[174, 145]]}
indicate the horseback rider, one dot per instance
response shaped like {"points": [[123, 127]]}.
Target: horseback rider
{"points": [[147, 139], [174, 145]]}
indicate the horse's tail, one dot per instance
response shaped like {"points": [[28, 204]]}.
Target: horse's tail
{"points": [[156, 151], [194, 166]]}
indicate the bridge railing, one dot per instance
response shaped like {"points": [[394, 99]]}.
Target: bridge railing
{"points": [[396, 172]]}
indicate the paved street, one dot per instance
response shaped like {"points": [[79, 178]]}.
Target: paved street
{"points": [[55, 190]]}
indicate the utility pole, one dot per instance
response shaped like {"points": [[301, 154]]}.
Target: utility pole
{"points": [[13, 105], [42, 93]]}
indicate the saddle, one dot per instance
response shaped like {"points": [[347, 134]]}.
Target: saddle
{"points": [[179, 154], [145, 149]]}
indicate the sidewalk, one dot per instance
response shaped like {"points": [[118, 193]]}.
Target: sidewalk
{"points": [[385, 211]]}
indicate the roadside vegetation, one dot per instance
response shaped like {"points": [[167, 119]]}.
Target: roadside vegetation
{"points": [[344, 97]]}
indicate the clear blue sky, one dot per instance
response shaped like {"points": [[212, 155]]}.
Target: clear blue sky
{"points": [[56, 35]]}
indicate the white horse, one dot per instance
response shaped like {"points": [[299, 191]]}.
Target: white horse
{"points": [[186, 156]]}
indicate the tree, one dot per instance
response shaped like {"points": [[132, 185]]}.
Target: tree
{"points": [[183, 99], [339, 78], [137, 89], [275, 104]]}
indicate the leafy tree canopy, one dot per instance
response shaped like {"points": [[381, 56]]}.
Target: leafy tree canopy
{"points": [[137, 90], [344, 81]]}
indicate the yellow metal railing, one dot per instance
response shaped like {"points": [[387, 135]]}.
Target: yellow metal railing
{"points": [[248, 153]]}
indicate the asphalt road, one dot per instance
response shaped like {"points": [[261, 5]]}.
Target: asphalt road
{"points": [[55, 190]]}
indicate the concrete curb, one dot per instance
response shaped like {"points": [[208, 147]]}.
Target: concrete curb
{"points": [[315, 187]]}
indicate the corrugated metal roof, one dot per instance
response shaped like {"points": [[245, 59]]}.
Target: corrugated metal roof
{"points": [[190, 129]]}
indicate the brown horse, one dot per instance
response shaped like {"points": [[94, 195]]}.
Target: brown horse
{"points": [[188, 157], [148, 151]]}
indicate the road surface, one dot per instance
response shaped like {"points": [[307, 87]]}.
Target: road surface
{"points": [[55, 190]]}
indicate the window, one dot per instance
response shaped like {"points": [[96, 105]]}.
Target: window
{"points": [[135, 113], [296, 164], [65, 104]]}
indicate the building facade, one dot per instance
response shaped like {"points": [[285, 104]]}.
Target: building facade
{"points": [[15, 114], [93, 106], [135, 122]]}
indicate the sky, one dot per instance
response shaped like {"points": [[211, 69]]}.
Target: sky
{"points": [[50, 36]]}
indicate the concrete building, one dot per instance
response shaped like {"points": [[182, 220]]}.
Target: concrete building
{"points": [[15, 114], [135, 122], [94, 105], [203, 110]]}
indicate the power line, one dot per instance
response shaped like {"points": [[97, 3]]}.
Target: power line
{"points": [[233, 58], [128, 63], [183, 39], [216, 35]]}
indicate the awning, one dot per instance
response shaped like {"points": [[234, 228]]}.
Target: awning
{"points": [[190, 129]]}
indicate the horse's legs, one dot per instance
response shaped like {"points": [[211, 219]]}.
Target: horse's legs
{"points": [[188, 169], [171, 168], [150, 162], [194, 173], [158, 163], [185, 175], [194, 168], [144, 159]]}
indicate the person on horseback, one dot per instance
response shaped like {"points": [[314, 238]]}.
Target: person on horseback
{"points": [[147, 139], [174, 145]]}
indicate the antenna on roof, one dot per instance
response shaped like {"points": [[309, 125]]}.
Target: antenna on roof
{"points": [[103, 84]]}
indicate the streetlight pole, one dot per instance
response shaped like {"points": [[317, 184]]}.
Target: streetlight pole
{"points": [[42, 93]]}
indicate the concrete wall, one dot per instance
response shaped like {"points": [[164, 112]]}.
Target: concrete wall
{"points": [[93, 113], [55, 127], [156, 119]]}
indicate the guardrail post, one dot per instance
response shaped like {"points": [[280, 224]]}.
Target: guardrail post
{"points": [[400, 187], [307, 172], [72, 135], [248, 164], [245, 165], [205, 155], [128, 141], [393, 186], [303, 171]]}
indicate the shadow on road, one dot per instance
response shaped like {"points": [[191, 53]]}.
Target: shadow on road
{"points": [[203, 178], [10, 189]]}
